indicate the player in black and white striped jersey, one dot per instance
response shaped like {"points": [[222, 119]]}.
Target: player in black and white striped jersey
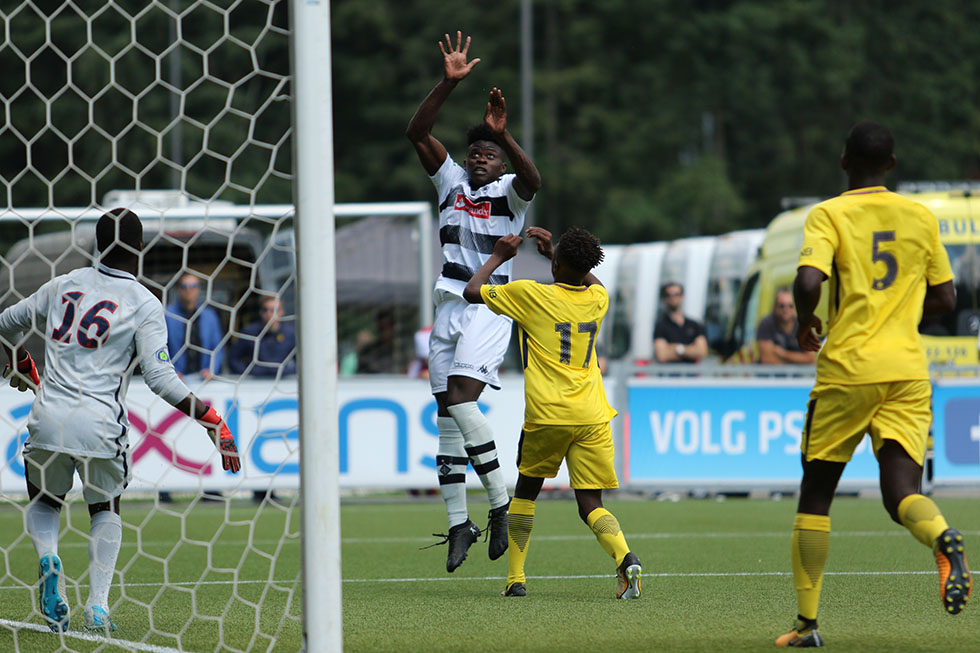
{"points": [[98, 324], [478, 204]]}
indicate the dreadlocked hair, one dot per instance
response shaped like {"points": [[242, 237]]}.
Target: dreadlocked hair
{"points": [[579, 250]]}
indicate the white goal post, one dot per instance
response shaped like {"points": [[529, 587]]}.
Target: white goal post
{"points": [[227, 103]]}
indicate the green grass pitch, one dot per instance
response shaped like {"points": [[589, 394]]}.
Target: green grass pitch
{"points": [[716, 577]]}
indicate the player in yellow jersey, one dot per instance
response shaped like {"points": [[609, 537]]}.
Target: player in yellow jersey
{"points": [[886, 268], [566, 415]]}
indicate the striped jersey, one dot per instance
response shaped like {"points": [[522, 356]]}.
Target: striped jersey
{"points": [[559, 328], [880, 250], [470, 223], [97, 324]]}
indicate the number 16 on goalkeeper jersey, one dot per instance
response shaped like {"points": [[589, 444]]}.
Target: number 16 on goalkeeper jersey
{"points": [[98, 323]]}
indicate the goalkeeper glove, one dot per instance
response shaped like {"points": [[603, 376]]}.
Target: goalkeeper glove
{"points": [[223, 440], [26, 376]]}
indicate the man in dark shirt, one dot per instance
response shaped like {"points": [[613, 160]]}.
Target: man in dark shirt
{"points": [[378, 356], [776, 335], [268, 344], [677, 338]]}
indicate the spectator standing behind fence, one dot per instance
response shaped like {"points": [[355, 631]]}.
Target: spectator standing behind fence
{"points": [[377, 355], [193, 332], [677, 338], [268, 344], [776, 335]]}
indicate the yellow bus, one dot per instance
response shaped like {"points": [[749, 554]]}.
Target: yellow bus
{"points": [[950, 339]]}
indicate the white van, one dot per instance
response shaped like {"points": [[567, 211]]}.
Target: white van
{"points": [[635, 302], [608, 273], [733, 255], [687, 262]]}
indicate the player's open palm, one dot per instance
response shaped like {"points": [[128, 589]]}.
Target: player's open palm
{"points": [[496, 116], [223, 440], [454, 58], [230, 460], [542, 238]]}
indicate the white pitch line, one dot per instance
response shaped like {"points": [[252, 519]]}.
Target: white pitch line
{"points": [[648, 574], [655, 536], [409, 539], [185, 583], [147, 544], [89, 637], [720, 574]]}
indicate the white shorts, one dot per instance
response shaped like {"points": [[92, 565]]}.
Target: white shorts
{"points": [[103, 479], [466, 340]]}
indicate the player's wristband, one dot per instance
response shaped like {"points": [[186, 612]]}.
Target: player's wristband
{"points": [[211, 417]]}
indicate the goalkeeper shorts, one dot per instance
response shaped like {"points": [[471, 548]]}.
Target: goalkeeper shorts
{"points": [[103, 479], [839, 416]]}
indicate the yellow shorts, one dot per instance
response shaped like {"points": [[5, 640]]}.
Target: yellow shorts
{"points": [[588, 449], [838, 416]]}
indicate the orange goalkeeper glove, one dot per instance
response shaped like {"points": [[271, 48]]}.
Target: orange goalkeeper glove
{"points": [[223, 440], [26, 377]]}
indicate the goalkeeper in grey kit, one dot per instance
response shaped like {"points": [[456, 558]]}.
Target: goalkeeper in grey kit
{"points": [[98, 324]]}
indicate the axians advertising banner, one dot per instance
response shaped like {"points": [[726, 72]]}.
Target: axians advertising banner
{"points": [[386, 428]]}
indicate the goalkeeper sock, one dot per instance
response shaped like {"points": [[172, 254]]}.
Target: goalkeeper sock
{"points": [[105, 538], [478, 439], [451, 466], [921, 516], [519, 525], [606, 528], [811, 542], [42, 522]]}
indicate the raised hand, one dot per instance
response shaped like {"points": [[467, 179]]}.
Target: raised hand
{"points": [[454, 58], [496, 115], [506, 246], [543, 238]]}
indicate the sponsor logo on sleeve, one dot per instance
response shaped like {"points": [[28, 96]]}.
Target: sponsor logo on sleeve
{"points": [[162, 355]]}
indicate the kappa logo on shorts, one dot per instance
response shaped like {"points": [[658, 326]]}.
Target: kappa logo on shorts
{"points": [[483, 370], [963, 431]]}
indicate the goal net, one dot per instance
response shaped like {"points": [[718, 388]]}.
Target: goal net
{"points": [[181, 111]]}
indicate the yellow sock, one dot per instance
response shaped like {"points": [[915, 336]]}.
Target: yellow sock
{"points": [[519, 524], [811, 542], [921, 516], [610, 535]]}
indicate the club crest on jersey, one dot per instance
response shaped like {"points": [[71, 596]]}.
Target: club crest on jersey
{"points": [[476, 209], [162, 356]]}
